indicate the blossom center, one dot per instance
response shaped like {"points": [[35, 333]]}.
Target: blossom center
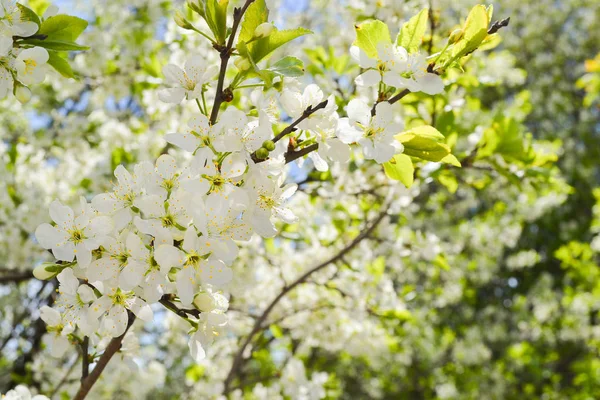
{"points": [[77, 236], [29, 66]]}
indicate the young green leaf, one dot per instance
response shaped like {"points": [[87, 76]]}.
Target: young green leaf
{"points": [[475, 31], [39, 6], [412, 32], [216, 18], [423, 146], [428, 132], [63, 28], [452, 160], [369, 34], [400, 168], [255, 15], [263, 47], [424, 142], [288, 66], [61, 65]]}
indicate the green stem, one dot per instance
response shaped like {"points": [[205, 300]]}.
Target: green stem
{"points": [[250, 86], [200, 106], [205, 35]]}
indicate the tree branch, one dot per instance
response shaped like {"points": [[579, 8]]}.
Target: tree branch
{"points": [[289, 157], [292, 127], [14, 277], [109, 352], [497, 25], [182, 312], [305, 114], [85, 360], [238, 359], [238, 13]]}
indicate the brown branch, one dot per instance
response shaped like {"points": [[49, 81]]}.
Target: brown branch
{"points": [[391, 100], [432, 25], [238, 359], [238, 13], [305, 114], [182, 312], [12, 277], [85, 359], [291, 156], [497, 25], [38, 37], [292, 127], [109, 352]]}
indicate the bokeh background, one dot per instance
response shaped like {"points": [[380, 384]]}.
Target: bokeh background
{"points": [[486, 285]]}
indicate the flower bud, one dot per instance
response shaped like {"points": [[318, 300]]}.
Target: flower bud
{"points": [[181, 21], [23, 94], [243, 64], [262, 153], [269, 145], [45, 271], [455, 36], [264, 30], [204, 302], [195, 5]]}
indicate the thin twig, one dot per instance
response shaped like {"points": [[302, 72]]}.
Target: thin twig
{"points": [[289, 157], [238, 359], [64, 378], [182, 312], [109, 352], [497, 25], [238, 13], [292, 127], [391, 100], [305, 114]]}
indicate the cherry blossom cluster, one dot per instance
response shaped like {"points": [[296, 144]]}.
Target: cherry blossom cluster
{"points": [[20, 67], [169, 234]]}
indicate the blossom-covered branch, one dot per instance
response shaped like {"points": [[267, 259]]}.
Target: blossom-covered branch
{"points": [[258, 324]]}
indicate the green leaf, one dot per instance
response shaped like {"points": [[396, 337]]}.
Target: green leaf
{"points": [[216, 18], [426, 142], [475, 31], [39, 6], [400, 168], [261, 48], [441, 262], [412, 32], [276, 331], [63, 28], [448, 179], [54, 44], [370, 34], [61, 65], [256, 14], [423, 147], [288, 66], [194, 372], [377, 268], [490, 11], [505, 137], [28, 14], [452, 160], [428, 132]]}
